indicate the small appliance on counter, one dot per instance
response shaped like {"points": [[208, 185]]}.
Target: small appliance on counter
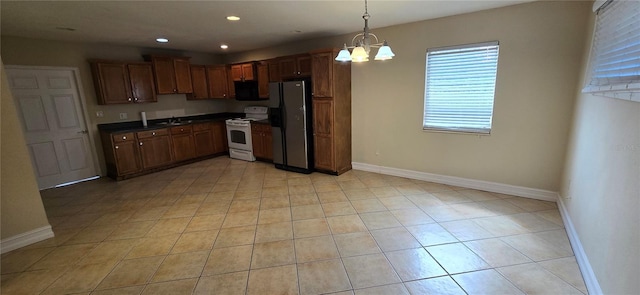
{"points": [[291, 125], [239, 132]]}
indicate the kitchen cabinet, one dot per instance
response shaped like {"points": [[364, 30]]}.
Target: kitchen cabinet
{"points": [[263, 80], [295, 66], [243, 72], [217, 81], [331, 82], [119, 82], [230, 83], [121, 154], [182, 143], [154, 148], [274, 70], [219, 130], [173, 74], [203, 139], [199, 83], [262, 141]]}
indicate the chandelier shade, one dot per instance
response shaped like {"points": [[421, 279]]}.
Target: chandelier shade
{"points": [[362, 43]]}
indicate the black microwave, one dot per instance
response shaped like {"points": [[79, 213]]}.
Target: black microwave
{"points": [[246, 90]]}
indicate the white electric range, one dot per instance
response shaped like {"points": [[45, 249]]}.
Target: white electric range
{"points": [[239, 132]]}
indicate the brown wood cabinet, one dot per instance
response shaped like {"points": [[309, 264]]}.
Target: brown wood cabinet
{"points": [[331, 112], [155, 148], [173, 74], [263, 80], [274, 70], [243, 72], [231, 88], [120, 153], [118, 82], [203, 139], [217, 81], [220, 144], [295, 66], [182, 143], [262, 141], [199, 82]]}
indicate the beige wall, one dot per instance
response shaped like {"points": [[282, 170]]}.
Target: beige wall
{"points": [[601, 186], [21, 207], [540, 54], [31, 52]]}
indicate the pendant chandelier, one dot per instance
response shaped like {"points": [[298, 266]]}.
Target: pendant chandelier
{"points": [[361, 45]]}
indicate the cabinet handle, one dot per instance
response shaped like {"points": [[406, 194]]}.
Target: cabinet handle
{"points": [[153, 133], [129, 98], [141, 143], [224, 95], [175, 90], [124, 138], [136, 99], [117, 147], [181, 129]]}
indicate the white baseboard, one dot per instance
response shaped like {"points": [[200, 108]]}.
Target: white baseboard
{"points": [[495, 187], [25, 239], [588, 275]]}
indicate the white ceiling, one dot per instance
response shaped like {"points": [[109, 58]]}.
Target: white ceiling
{"points": [[202, 26]]}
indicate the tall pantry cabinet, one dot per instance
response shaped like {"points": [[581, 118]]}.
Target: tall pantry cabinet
{"points": [[331, 83]]}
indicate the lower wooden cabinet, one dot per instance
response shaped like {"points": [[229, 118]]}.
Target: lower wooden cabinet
{"points": [[262, 140], [182, 143], [155, 148], [134, 153]]}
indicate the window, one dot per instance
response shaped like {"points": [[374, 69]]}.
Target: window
{"points": [[615, 52], [459, 88]]}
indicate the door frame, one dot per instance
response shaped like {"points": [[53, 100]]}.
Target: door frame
{"points": [[81, 97]]}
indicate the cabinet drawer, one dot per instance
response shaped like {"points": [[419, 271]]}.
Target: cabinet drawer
{"points": [[122, 137], [259, 127], [201, 126], [152, 133], [181, 129]]}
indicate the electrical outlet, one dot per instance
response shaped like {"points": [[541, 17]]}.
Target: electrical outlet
{"points": [[123, 116], [99, 114]]}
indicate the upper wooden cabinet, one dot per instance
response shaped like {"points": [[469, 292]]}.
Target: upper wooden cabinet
{"points": [[231, 88], [118, 82], [243, 72], [173, 74], [294, 66], [263, 80], [274, 70], [199, 82], [322, 74], [217, 81]]}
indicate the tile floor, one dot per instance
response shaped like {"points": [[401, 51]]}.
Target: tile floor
{"points": [[223, 226]]}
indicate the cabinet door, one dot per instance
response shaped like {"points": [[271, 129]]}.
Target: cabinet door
{"points": [[323, 134], [263, 81], [257, 141], [303, 65], [155, 151], [248, 74], [126, 157], [231, 88], [142, 86], [217, 81], [274, 71], [287, 67], [183, 147], [322, 75], [165, 75], [236, 72], [220, 143], [182, 75], [112, 83], [203, 143], [199, 81]]}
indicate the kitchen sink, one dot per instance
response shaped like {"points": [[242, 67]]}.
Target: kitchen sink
{"points": [[174, 123]]}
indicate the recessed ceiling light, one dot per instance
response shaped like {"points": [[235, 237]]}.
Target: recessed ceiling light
{"points": [[224, 46], [233, 18], [162, 40]]}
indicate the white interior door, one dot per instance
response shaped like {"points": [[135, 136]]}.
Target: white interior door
{"points": [[48, 104]]}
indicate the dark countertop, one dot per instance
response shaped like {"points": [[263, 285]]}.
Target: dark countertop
{"points": [[134, 126], [265, 122]]}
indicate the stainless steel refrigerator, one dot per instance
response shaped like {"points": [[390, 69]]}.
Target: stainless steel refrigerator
{"points": [[291, 125]]}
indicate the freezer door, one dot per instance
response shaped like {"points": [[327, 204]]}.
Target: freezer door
{"points": [[274, 95], [293, 96]]}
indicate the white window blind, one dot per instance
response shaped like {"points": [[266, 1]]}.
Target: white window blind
{"points": [[459, 87], [615, 53]]}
